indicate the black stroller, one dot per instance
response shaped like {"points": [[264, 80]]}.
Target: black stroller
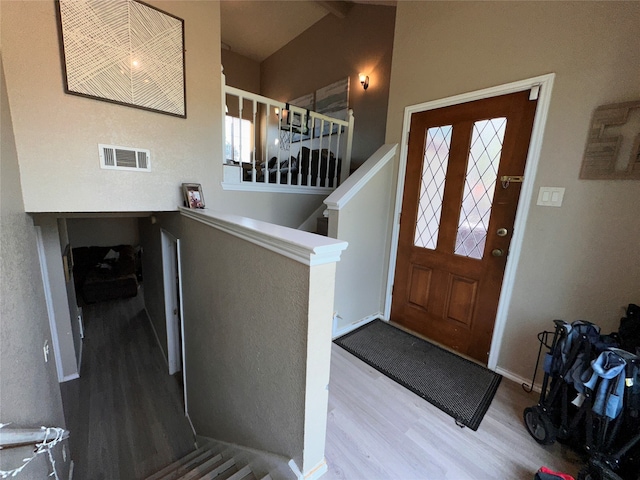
{"points": [[614, 447], [602, 420], [570, 352]]}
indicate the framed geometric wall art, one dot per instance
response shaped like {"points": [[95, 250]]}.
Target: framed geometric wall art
{"points": [[124, 52]]}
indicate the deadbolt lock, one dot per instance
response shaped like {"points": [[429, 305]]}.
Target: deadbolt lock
{"points": [[497, 252], [502, 232]]}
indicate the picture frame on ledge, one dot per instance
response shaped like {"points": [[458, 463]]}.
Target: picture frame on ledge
{"points": [[193, 197]]}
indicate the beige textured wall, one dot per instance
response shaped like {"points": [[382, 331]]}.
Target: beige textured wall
{"points": [[254, 348], [57, 135], [581, 260], [286, 209], [240, 71], [361, 273], [331, 50], [252, 364], [29, 392]]}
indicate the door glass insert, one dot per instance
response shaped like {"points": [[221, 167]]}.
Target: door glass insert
{"points": [[480, 183], [434, 172]]}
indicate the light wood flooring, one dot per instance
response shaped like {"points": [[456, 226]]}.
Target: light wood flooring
{"points": [[379, 430], [125, 412]]}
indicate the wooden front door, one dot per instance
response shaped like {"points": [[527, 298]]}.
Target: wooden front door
{"points": [[457, 218]]}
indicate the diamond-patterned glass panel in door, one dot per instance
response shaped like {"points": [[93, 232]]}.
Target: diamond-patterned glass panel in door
{"points": [[480, 183], [434, 172]]}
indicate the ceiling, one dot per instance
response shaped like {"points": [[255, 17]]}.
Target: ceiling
{"points": [[257, 29]]}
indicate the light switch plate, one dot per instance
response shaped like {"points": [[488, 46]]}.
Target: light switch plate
{"points": [[551, 196]]}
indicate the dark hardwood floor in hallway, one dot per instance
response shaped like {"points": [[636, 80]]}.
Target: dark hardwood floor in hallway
{"points": [[125, 412]]}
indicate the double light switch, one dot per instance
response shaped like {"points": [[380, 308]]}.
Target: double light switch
{"points": [[551, 196]]}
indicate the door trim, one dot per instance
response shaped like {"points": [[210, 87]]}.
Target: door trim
{"points": [[170, 270], [44, 272], [545, 87], [169, 247]]}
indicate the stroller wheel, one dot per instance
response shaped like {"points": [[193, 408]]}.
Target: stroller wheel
{"points": [[539, 425]]}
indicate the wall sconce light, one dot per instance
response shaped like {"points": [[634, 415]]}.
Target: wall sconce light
{"points": [[364, 80]]}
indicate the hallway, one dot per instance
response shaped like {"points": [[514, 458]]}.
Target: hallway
{"points": [[125, 411]]}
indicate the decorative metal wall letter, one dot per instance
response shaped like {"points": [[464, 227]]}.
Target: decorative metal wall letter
{"points": [[125, 52], [602, 150]]}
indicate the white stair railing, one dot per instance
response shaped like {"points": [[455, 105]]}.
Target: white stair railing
{"points": [[272, 145]]}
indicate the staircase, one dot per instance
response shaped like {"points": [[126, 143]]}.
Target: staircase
{"points": [[206, 464]]}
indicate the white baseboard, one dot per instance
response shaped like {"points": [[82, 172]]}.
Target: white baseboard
{"points": [[295, 469], [193, 429], [350, 328], [317, 471], [518, 379], [67, 378]]}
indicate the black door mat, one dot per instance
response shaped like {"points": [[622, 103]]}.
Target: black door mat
{"points": [[457, 386]]}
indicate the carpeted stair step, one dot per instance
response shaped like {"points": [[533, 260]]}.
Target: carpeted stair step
{"points": [[190, 465], [221, 472], [187, 459], [245, 473], [214, 466]]}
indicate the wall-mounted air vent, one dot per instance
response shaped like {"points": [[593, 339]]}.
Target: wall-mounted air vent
{"points": [[124, 158]]}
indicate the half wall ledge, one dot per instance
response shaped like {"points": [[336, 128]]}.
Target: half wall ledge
{"points": [[304, 247]]}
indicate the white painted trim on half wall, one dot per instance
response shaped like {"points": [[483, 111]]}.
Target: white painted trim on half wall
{"points": [[352, 185], [545, 83], [304, 247]]}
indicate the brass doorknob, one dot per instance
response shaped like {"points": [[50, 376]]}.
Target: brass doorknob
{"points": [[497, 252]]}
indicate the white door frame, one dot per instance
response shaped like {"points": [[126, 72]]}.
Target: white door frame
{"points": [[541, 87], [172, 268], [44, 271]]}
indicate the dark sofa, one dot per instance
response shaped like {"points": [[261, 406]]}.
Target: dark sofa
{"points": [[315, 162], [105, 273]]}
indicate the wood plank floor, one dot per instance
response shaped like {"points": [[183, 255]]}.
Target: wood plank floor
{"points": [[379, 430], [124, 412]]}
